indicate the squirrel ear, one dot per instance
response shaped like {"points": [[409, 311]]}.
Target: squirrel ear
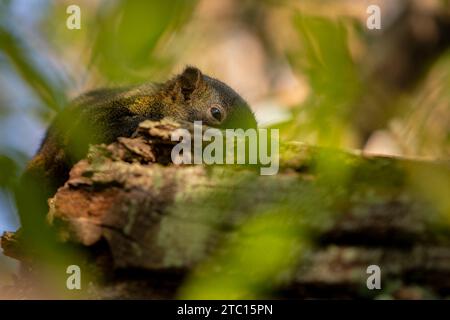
{"points": [[190, 80]]}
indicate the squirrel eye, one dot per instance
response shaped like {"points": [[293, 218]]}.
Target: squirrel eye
{"points": [[216, 113]]}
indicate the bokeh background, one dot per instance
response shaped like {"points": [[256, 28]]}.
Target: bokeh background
{"points": [[311, 68]]}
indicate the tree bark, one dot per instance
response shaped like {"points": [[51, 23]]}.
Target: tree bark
{"points": [[147, 227]]}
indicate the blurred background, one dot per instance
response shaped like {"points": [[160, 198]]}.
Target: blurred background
{"points": [[311, 68]]}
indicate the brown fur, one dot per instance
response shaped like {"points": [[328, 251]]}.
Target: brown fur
{"points": [[100, 116]]}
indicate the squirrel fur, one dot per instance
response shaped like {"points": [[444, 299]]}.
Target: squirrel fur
{"points": [[103, 115]]}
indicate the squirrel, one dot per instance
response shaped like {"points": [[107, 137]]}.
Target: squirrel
{"points": [[103, 115]]}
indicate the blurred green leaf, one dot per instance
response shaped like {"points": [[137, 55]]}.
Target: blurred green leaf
{"points": [[326, 61], [8, 171], [129, 32], [250, 263], [49, 92]]}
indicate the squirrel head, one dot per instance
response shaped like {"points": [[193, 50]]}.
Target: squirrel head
{"points": [[199, 97]]}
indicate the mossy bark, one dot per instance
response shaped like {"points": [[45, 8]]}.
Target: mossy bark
{"points": [[145, 224]]}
